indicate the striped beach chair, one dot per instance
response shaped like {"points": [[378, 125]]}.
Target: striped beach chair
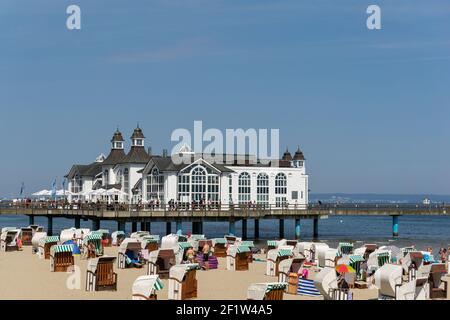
{"points": [[407, 250], [61, 257], [183, 281], [266, 291], [220, 247], [251, 245], [383, 258], [345, 248], [145, 287], [46, 243], [237, 258], [356, 262], [100, 274], [96, 239]]}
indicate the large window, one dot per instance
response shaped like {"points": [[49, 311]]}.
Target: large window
{"points": [[126, 182], [280, 190], [262, 190], [76, 184], [105, 177], [200, 184], [155, 186], [244, 188]]}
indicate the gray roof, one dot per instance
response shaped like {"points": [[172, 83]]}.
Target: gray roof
{"points": [[137, 134], [299, 155], [89, 170], [117, 137], [114, 157], [136, 155]]}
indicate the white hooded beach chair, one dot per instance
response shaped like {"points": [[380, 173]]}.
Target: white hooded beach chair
{"points": [[237, 258], [96, 240], [316, 250], [288, 266], [145, 287], [326, 282], [68, 234], [327, 258], [61, 258], [8, 240], [160, 262], [117, 236], [129, 251], [266, 291], [305, 248], [345, 248], [100, 274], [35, 243], [183, 282], [26, 234], [275, 256], [388, 280], [45, 244], [220, 247]]}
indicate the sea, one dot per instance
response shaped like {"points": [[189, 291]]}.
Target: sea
{"points": [[421, 231]]}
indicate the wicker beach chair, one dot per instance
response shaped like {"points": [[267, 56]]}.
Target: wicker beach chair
{"points": [[220, 248], [26, 234], [183, 281], [145, 287], [61, 258], [100, 274], [129, 247], [266, 291], [46, 243], [237, 258], [8, 240], [160, 262]]}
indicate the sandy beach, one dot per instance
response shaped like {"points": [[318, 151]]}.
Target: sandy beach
{"points": [[25, 276]]}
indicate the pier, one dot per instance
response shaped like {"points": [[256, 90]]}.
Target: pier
{"points": [[145, 215]]}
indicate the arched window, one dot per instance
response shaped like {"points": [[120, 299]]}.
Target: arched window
{"points": [[198, 184], [244, 188], [119, 177], [230, 189], [198, 175], [280, 190], [77, 184], [262, 189], [126, 182], [155, 186]]}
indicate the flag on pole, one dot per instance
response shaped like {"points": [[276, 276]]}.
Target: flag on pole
{"points": [[54, 188], [22, 189]]}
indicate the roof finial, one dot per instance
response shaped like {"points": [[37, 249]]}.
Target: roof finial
{"points": [[138, 125]]}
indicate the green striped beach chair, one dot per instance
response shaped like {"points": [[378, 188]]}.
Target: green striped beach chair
{"points": [[266, 291], [145, 287], [356, 262], [345, 248], [61, 257], [383, 258]]}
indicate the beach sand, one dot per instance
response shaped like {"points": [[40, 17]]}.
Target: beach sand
{"points": [[24, 276]]}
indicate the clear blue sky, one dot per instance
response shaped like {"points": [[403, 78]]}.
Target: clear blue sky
{"points": [[370, 109]]}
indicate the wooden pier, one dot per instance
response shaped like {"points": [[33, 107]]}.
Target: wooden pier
{"points": [[146, 215]]}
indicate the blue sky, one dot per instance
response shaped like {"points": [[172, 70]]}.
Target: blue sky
{"points": [[370, 109]]}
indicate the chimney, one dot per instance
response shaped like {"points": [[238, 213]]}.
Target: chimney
{"points": [[165, 153]]}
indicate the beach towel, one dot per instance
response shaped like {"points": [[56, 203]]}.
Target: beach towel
{"points": [[307, 288]]}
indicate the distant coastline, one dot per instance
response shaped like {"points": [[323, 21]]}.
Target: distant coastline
{"points": [[376, 198]]}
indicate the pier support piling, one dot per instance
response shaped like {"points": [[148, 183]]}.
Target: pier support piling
{"points": [[49, 226], [30, 220], [316, 228], [179, 227], [121, 226], [133, 226], [244, 229], [232, 227], [95, 224], [281, 228], [143, 226], [148, 227], [168, 228], [256, 228], [297, 229], [395, 226], [197, 227], [77, 223]]}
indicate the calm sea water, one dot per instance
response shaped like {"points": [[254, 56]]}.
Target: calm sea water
{"points": [[421, 231]]}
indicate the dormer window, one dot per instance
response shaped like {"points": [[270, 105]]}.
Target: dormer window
{"points": [[139, 142], [118, 145]]}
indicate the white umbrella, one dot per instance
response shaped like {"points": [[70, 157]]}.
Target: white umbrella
{"points": [[115, 192], [62, 193], [97, 192], [42, 193]]}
